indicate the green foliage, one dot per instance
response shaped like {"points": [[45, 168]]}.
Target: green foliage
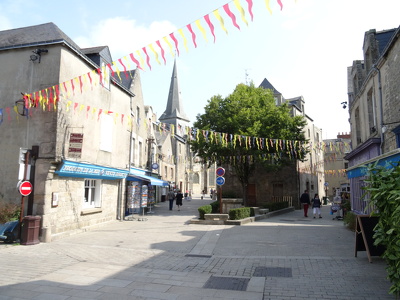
{"points": [[229, 194], [349, 220], [215, 207], [276, 205], [239, 213], [383, 189], [8, 212], [249, 112], [205, 209]]}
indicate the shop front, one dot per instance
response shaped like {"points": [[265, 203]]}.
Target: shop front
{"points": [[143, 191]]}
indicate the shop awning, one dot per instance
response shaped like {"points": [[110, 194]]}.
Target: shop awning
{"points": [[82, 170], [135, 175], [386, 160]]}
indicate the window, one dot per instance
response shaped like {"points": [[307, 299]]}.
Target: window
{"points": [[140, 153], [133, 151], [172, 173], [396, 131], [165, 172], [105, 76], [106, 136], [92, 197], [371, 113]]}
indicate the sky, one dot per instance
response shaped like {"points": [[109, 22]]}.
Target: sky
{"points": [[303, 49]]}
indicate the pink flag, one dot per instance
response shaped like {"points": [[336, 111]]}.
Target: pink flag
{"points": [[231, 15], [162, 51], [175, 41], [208, 21], [189, 26], [250, 7], [147, 57]]}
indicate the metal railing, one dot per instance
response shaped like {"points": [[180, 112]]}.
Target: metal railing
{"points": [[289, 199]]}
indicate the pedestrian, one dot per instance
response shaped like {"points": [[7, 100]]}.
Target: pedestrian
{"points": [[171, 198], [186, 195], [202, 194], [179, 197], [305, 201], [316, 205]]}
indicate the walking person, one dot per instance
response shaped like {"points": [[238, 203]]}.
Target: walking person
{"points": [[305, 201], [179, 197], [171, 198], [316, 206]]}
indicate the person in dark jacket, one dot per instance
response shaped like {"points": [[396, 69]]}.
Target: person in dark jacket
{"points": [[171, 198], [305, 201], [179, 197], [316, 205]]}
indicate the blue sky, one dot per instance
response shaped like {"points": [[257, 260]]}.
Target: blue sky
{"points": [[303, 50]]}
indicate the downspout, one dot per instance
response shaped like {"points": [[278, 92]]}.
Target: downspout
{"points": [[381, 109]]}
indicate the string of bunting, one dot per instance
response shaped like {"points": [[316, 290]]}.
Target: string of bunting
{"points": [[48, 98]]}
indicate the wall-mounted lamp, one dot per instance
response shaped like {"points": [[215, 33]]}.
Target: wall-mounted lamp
{"points": [[344, 104], [21, 109], [38, 54]]}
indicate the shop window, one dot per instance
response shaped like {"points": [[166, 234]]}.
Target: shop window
{"points": [[92, 196]]}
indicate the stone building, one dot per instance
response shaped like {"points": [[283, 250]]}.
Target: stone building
{"points": [[289, 182], [190, 173], [374, 103], [335, 165], [79, 125]]}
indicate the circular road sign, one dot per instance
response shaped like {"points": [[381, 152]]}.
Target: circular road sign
{"points": [[220, 180], [25, 188], [220, 171]]}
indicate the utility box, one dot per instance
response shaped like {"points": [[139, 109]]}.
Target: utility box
{"points": [[30, 230]]}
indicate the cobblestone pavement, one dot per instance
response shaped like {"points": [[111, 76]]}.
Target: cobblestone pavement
{"points": [[165, 257]]}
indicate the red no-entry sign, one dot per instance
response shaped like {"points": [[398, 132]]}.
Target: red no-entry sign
{"points": [[25, 188]]}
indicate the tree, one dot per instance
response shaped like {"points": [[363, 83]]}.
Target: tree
{"points": [[247, 129]]}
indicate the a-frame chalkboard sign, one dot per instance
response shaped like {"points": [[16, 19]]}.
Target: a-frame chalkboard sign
{"points": [[365, 225]]}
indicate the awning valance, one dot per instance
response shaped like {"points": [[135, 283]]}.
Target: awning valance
{"points": [[135, 175], [386, 160]]}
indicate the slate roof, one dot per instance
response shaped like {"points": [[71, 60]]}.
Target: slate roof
{"points": [[174, 108], [383, 38], [47, 33], [268, 86]]}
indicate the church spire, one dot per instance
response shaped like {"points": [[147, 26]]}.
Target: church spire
{"points": [[174, 113]]}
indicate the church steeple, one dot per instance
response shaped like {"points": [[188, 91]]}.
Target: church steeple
{"points": [[174, 113]]}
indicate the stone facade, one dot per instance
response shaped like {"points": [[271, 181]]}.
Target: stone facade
{"points": [[291, 181], [374, 107]]}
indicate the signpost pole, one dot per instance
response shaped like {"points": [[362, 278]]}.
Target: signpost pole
{"points": [[21, 214]]}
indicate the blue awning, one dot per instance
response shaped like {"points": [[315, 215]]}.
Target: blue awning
{"points": [[387, 161], [135, 175], [82, 170]]}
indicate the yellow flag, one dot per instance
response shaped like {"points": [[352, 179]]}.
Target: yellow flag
{"points": [[184, 39], [169, 45], [140, 57], [219, 18], [155, 53], [198, 24], [241, 10], [268, 7]]}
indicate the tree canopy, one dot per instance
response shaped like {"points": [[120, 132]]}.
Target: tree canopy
{"points": [[250, 125]]}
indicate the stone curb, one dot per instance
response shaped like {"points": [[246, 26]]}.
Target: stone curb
{"points": [[243, 221]]}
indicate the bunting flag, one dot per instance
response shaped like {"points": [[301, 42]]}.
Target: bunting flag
{"points": [[241, 10], [220, 19], [231, 15], [210, 25], [203, 32], [162, 51], [184, 39], [189, 26]]}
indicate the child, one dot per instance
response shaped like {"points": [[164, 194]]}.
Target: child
{"points": [[316, 205]]}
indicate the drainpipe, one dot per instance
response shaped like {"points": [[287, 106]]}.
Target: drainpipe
{"points": [[381, 108]]}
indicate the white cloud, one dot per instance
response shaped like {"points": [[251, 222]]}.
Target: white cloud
{"points": [[124, 36]]}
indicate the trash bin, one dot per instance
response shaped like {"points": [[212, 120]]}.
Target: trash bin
{"points": [[30, 230]]}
